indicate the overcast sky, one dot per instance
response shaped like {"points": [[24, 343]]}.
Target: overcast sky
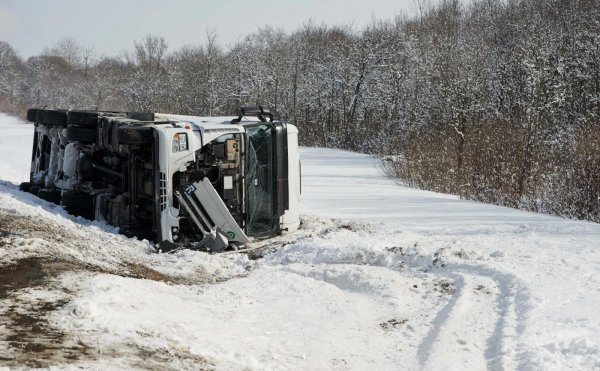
{"points": [[111, 26]]}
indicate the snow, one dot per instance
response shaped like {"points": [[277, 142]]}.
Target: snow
{"points": [[379, 276], [16, 142]]}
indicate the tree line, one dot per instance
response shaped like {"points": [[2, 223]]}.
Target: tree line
{"points": [[492, 100]]}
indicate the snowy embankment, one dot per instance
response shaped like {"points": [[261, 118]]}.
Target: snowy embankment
{"points": [[379, 277]]}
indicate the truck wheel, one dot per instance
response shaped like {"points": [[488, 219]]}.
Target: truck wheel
{"points": [[24, 187], [82, 135], [40, 115], [34, 189], [76, 198], [82, 118], [55, 117], [50, 195], [135, 135], [141, 116], [31, 114], [78, 204], [79, 211]]}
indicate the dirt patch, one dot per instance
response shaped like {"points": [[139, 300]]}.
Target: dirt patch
{"points": [[392, 324], [29, 227], [163, 359], [395, 250], [136, 270], [482, 289], [26, 273], [31, 272], [445, 287], [32, 341]]}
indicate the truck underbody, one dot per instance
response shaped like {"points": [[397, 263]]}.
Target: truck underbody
{"points": [[179, 181]]}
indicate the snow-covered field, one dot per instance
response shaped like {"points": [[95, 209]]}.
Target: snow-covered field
{"points": [[379, 277]]}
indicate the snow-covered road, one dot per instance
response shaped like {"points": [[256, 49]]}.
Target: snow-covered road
{"points": [[379, 277]]}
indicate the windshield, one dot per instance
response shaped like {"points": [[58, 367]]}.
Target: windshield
{"points": [[260, 181]]}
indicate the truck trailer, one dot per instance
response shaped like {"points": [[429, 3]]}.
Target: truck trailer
{"points": [[209, 183]]}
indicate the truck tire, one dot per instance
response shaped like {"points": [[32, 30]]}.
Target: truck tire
{"points": [[135, 135], [24, 187], [55, 117], [32, 114], [141, 116], [76, 198], [40, 115], [50, 195], [78, 204], [82, 119], [33, 189], [82, 135]]}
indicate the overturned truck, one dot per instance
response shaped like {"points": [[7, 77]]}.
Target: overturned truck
{"points": [[181, 181]]}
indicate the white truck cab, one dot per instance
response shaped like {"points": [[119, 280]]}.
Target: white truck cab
{"points": [[181, 181]]}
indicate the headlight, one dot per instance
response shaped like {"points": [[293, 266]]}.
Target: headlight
{"points": [[176, 143], [180, 142]]}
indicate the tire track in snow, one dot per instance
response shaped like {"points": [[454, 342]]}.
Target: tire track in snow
{"points": [[460, 330], [485, 316], [479, 326], [505, 350]]}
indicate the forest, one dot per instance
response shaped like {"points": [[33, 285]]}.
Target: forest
{"points": [[493, 100]]}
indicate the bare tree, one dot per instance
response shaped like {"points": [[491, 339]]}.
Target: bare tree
{"points": [[67, 48]]}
